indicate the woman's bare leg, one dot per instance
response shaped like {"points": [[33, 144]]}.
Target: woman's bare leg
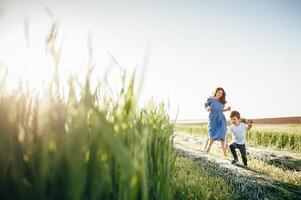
{"points": [[209, 147], [224, 147]]}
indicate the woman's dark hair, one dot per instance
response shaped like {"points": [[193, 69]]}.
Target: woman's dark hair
{"points": [[235, 114], [223, 98]]}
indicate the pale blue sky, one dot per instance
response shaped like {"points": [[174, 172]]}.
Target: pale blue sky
{"points": [[251, 48]]}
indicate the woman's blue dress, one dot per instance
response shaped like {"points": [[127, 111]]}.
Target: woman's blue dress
{"points": [[217, 126]]}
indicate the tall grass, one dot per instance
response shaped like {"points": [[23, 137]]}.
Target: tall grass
{"points": [[88, 148]]}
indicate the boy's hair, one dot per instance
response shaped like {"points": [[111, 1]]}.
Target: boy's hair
{"points": [[235, 114]]}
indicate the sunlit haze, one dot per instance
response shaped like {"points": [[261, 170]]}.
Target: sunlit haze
{"points": [[185, 48]]}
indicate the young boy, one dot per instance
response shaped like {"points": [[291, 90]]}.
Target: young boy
{"points": [[239, 130]]}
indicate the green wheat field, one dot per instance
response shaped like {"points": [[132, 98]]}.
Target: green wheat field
{"points": [[98, 146]]}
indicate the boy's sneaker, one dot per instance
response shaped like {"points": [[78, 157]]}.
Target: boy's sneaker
{"points": [[234, 161]]}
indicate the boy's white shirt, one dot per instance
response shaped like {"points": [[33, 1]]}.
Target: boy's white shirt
{"points": [[239, 133]]}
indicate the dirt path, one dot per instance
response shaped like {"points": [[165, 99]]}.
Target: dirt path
{"points": [[247, 183], [282, 159]]}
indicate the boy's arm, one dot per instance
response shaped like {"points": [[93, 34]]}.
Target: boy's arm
{"points": [[249, 124], [227, 136], [226, 141]]}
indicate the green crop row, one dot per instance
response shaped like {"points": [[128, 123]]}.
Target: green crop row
{"points": [[276, 139]]}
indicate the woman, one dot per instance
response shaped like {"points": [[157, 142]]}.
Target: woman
{"points": [[217, 126]]}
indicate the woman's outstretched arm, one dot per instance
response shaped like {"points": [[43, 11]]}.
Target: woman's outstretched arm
{"points": [[207, 105], [208, 108], [227, 109]]}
